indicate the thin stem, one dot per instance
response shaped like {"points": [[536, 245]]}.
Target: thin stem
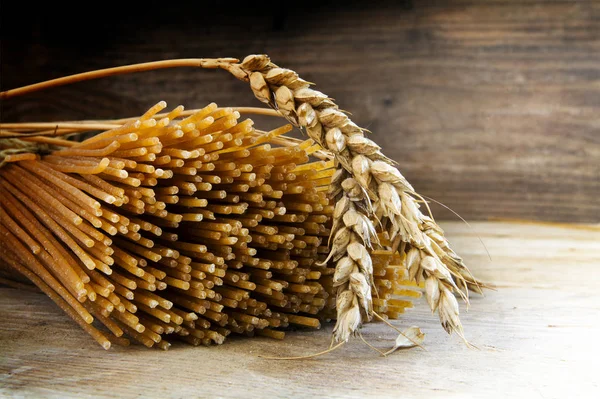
{"points": [[57, 125], [69, 127], [371, 346], [49, 140], [7, 134], [112, 123], [100, 73], [304, 357], [257, 111], [241, 110]]}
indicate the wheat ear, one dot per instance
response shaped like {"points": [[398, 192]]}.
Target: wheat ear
{"points": [[369, 191]]}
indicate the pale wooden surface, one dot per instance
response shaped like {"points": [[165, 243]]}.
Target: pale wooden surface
{"points": [[537, 334]]}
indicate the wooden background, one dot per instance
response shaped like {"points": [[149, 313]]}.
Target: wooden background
{"points": [[492, 107]]}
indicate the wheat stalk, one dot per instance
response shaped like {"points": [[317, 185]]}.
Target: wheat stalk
{"points": [[369, 191]]}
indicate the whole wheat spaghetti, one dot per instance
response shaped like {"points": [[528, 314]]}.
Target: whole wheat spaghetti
{"points": [[195, 225]]}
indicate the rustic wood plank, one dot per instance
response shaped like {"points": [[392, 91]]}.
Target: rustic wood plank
{"points": [[490, 107], [536, 336]]}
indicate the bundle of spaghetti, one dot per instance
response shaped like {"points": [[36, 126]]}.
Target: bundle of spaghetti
{"points": [[185, 227]]}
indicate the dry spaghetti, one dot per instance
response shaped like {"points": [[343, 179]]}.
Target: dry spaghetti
{"points": [[177, 226]]}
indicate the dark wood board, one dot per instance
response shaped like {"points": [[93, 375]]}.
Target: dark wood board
{"points": [[491, 107]]}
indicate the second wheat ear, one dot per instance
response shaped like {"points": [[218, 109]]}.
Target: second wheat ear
{"points": [[375, 206]]}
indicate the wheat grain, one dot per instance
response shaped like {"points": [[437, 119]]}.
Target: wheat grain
{"points": [[365, 176]]}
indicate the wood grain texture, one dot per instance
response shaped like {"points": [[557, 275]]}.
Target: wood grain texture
{"points": [[537, 337], [489, 106]]}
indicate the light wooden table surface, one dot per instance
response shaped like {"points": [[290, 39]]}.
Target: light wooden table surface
{"points": [[537, 336]]}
